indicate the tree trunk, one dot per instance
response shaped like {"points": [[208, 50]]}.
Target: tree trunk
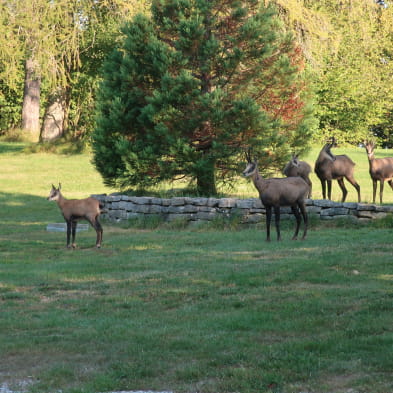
{"points": [[206, 180], [31, 100], [55, 114]]}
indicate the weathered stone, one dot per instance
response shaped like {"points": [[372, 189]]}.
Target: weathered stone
{"points": [[176, 209], [207, 209], [190, 209], [142, 209], [125, 198], [129, 206], [200, 201], [370, 214], [155, 209], [115, 205], [244, 203], [156, 201], [166, 202], [313, 209], [213, 202], [334, 211], [364, 206], [141, 200], [350, 205], [258, 204], [227, 202], [326, 203], [114, 198], [177, 201], [120, 207]]}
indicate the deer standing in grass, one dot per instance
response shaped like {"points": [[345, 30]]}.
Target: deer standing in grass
{"points": [[381, 169], [78, 209], [296, 168], [276, 192], [329, 167]]}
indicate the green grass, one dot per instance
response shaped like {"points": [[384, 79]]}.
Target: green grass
{"points": [[186, 310]]}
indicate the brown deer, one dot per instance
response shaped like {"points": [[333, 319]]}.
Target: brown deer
{"points": [[78, 209], [381, 169], [276, 192], [329, 167], [295, 168]]}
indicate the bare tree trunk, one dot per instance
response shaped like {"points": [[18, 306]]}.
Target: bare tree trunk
{"points": [[206, 180], [54, 119], [31, 100]]}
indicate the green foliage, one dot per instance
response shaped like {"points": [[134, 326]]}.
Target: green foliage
{"points": [[191, 88], [349, 46]]}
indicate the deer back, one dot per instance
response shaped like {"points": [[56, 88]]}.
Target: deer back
{"points": [[88, 207], [283, 191], [381, 168]]}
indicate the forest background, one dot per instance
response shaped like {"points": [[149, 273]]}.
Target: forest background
{"points": [[51, 54]]}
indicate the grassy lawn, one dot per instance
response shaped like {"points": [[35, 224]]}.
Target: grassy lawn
{"points": [[195, 310]]}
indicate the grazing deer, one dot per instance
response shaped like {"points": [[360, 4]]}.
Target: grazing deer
{"points": [[329, 167], [381, 169], [276, 192], [296, 168], [78, 209]]}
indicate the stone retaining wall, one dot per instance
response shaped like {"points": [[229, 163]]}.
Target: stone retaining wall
{"points": [[251, 210]]}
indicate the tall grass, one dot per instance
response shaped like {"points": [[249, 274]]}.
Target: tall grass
{"points": [[181, 309]]}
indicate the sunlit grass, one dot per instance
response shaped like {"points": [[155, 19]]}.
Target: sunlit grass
{"points": [[212, 309]]}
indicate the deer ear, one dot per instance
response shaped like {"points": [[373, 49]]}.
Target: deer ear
{"points": [[59, 187]]}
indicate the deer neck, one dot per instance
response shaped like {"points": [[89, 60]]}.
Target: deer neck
{"points": [[371, 159], [258, 180], [61, 200]]}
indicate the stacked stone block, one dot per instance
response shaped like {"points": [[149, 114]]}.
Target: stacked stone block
{"points": [[250, 210]]}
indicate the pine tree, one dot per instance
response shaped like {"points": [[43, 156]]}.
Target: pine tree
{"points": [[192, 87]]}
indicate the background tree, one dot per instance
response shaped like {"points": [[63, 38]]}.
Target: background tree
{"points": [[348, 46], [191, 88], [45, 41]]}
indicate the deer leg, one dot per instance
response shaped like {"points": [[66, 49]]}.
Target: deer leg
{"points": [[296, 213], [68, 222], [98, 228], [390, 182], [343, 189], [356, 185], [277, 221], [374, 190], [329, 187], [99, 232], [308, 181], [323, 184], [74, 224], [302, 208], [381, 185], [268, 221]]}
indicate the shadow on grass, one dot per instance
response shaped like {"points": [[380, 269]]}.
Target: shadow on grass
{"points": [[11, 147], [27, 209]]}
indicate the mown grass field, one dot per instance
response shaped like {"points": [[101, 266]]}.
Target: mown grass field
{"points": [[186, 310]]}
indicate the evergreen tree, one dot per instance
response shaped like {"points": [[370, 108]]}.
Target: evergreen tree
{"points": [[193, 87]]}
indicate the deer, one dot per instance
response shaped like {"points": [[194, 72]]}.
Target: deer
{"points": [[74, 210], [330, 167], [380, 169], [295, 168], [277, 192]]}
